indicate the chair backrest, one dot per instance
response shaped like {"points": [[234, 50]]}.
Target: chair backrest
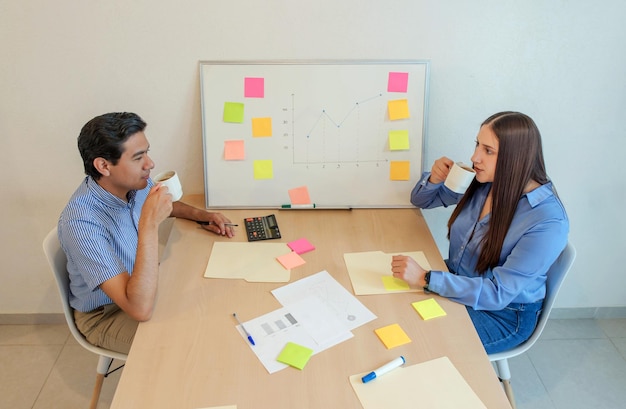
{"points": [[556, 274], [58, 262]]}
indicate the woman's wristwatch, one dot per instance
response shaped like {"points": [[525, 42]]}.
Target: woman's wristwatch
{"points": [[427, 279]]}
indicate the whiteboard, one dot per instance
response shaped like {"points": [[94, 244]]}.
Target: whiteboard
{"points": [[349, 133]]}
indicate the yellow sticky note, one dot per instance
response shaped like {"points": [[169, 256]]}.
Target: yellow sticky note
{"points": [[290, 260], [392, 336], [428, 309], [295, 355], [261, 127], [263, 169], [399, 170], [399, 140], [398, 109], [394, 284], [234, 150], [233, 112]]}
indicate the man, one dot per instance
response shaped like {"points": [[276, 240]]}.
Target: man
{"points": [[109, 231]]}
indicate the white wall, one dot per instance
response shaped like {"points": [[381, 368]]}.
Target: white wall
{"points": [[65, 61]]}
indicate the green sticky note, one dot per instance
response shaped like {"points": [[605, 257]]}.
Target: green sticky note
{"points": [[233, 112], [295, 355], [428, 309], [394, 284]]}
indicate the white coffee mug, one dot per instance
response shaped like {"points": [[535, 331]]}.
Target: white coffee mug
{"points": [[170, 179], [460, 177]]}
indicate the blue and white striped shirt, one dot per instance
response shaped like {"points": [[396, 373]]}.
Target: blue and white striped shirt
{"points": [[98, 232]]}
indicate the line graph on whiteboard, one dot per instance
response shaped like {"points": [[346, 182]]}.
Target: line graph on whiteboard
{"points": [[339, 135]]}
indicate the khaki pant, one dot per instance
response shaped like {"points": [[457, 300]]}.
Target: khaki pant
{"points": [[107, 327]]}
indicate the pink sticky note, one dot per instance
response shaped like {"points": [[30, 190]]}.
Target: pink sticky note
{"points": [[301, 246], [299, 195], [234, 150], [290, 260], [398, 82], [254, 87]]}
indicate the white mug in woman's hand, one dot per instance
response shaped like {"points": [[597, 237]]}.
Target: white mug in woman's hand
{"points": [[460, 177]]}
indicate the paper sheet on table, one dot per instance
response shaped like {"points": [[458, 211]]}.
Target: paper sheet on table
{"points": [[435, 384], [366, 270], [308, 322], [345, 306], [254, 262]]}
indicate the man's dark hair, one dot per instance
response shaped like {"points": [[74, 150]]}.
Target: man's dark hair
{"points": [[103, 137]]}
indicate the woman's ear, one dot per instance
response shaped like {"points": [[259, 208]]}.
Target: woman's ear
{"points": [[102, 166]]}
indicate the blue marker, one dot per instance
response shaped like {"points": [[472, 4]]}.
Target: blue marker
{"points": [[396, 363], [244, 329]]}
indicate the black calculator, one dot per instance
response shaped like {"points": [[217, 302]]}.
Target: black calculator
{"points": [[262, 228]]}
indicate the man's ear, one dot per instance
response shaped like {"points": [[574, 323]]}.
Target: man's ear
{"points": [[102, 165]]}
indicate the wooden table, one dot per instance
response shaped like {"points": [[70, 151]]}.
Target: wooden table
{"points": [[190, 355]]}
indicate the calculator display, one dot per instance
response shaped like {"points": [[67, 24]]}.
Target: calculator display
{"points": [[262, 228]]}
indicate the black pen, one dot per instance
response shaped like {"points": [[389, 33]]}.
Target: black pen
{"points": [[209, 223]]}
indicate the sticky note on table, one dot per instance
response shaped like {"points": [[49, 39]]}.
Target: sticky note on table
{"points": [[295, 355], [290, 260], [392, 336], [394, 284], [301, 246], [428, 309]]}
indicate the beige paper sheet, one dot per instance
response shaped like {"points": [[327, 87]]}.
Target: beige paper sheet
{"points": [[435, 384], [253, 262], [367, 268]]}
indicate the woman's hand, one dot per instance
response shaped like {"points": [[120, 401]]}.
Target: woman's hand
{"points": [[407, 269], [440, 170]]}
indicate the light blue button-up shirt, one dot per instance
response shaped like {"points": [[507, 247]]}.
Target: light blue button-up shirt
{"points": [[536, 237], [99, 233]]}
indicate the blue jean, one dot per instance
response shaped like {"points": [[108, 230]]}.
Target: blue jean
{"points": [[507, 328]]}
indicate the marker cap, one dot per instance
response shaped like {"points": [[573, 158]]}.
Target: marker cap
{"points": [[370, 376]]}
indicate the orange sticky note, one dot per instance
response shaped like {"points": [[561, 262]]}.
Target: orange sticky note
{"points": [[392, 336], [290, 260], [399, 170], [398, 109], [234, 150], [261, 127]]}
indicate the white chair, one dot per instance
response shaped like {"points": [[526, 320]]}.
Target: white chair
{"points": [[58, 263], [556, 274]]}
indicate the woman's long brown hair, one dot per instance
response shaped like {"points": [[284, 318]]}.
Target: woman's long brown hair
{"points": [[520, 160]]}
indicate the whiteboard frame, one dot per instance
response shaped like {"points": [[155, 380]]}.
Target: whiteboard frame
{"points": [[426, 97]]}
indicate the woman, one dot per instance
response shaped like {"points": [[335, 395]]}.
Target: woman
{"points": [[505, 232]]}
